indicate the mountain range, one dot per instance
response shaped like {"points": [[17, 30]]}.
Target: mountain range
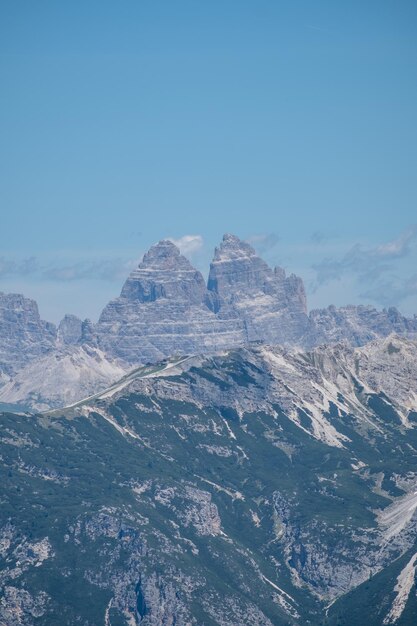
{"points": [[208, 454], [165, 308], [254, 487]]}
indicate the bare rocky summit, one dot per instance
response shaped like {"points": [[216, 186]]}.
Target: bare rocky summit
{"points": [[166, 308], [24, 336], [272, 306], [70, 330], [357, 325]]}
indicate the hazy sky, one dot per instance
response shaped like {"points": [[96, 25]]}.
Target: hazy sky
{"points": [[290, 123]]}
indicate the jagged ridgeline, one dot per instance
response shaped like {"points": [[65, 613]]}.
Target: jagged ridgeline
{"points": [[258, 487], [166, 308]]}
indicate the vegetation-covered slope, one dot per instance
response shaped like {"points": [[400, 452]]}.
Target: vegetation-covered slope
{"points": [[255, 488]]}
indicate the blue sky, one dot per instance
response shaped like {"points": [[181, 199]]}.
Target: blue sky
{"points": [[291, 124]]}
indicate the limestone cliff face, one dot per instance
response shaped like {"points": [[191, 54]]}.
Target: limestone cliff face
{"points": [[356, 325], [164, 308], [24, 337], [70, 330], [165, 274], [272, 306]]}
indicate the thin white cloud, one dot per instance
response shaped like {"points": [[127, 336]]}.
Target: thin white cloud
{"points": [[188, 244], [100, 269], [107, 269], [367, 264], [11, 267], [398, 247], [392, 290]]}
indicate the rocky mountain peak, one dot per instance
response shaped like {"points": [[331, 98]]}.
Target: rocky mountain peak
{"points": [[232, 248], [88, 334], [272, 306], [69, 330], [164, 255], [164, 273], [236, 268], [24, 335]]}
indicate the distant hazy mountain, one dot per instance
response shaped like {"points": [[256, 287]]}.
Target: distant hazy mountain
{"points": [[24, 337], [166, 308], [256, 487], [61, 377]]}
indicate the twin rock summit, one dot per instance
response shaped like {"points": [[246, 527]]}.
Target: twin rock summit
{"points": [[166, 307]]}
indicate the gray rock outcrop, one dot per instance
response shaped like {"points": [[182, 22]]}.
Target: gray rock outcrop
{"points": [[164, 308], [356, 324], [70, 330], [24, 337], [272, 306]]}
